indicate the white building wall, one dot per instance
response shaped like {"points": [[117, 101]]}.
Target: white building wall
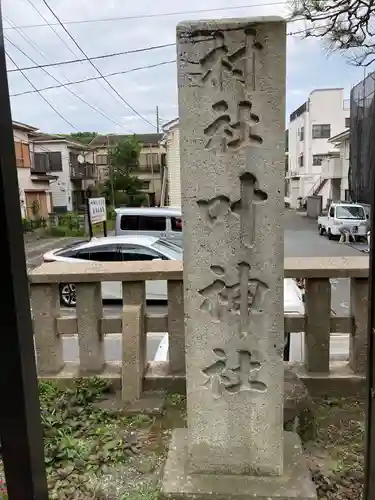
{"points": [[324, 106], [344, 155], [20, 135], [61, 189], [174, 168]]}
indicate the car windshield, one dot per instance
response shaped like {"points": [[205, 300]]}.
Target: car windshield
{"points": [[72, 246], [350, 212], [171, 250]]}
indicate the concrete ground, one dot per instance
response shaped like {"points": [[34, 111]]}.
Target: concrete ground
{"points": [[301, 240], [36, 248]]}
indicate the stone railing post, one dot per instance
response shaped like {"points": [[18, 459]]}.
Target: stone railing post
{"points": [[45, 304], [176, 332], [318, 324], [359, 312], [90, 339], [133, 352], [134, 339]]}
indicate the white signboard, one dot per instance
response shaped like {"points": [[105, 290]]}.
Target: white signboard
{"points": [[98, 211]]}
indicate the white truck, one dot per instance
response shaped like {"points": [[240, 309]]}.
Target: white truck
{"points": [[351, 215]]}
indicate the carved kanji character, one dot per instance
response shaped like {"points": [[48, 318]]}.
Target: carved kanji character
{"points": [[226, 134], [245, 297], [233, 372]]}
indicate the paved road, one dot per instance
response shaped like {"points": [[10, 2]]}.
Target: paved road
{"points": [[301, 240], [112, 342], [35, 249]]}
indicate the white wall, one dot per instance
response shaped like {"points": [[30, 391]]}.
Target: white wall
{"points": [[26, 184], [324, 106], [174, 167], [344, 156], [20, 135], [61, 188]]}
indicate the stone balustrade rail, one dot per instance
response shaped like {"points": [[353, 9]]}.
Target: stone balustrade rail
{"points": [[134, 373]]}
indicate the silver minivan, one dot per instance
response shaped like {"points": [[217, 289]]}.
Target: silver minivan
{"points": [[165, 223]]}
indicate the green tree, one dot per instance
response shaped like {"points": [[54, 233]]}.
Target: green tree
{"points": [[84, 137], [346, 25], [123, 185]]}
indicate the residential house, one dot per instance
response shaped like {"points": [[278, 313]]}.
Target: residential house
{"points": [[324, 115], [151, 160], [72, 164], [172, 141], [33, 183]]}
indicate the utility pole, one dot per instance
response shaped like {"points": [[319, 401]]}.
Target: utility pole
{"points": [[157, 120], [110, 172]]}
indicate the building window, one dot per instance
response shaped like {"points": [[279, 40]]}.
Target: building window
{"points": [[318, 160], [41, 163], [347, 122], [55, 161], [101, 159], [22, 152], [302, 134], [300, 161], [152, 159], [145, 185], [321, 131]]}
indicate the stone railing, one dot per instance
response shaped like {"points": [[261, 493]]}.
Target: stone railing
{"points": [[91, 325]]}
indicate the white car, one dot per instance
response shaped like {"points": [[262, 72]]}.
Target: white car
{"points": [[116, 249], [140, 248]]}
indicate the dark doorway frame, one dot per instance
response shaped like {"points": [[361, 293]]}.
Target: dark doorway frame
{"points": [[21, 431]]}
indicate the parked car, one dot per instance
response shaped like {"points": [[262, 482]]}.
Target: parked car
{"points": [[350, 215], [293, 305], [139, 248], [116, 249], [164, 223]]}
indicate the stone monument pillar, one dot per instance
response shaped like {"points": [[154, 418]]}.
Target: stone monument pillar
{"points": [[231, 100]]}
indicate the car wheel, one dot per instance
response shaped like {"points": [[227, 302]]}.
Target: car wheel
{"points": [[68, 295], [330, 235]]}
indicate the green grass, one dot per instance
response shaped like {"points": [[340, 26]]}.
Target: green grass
{"points": [[94, 453]]}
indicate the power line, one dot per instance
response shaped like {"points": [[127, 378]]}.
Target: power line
{"points": [[93, 78], [64, 85], [93, 65], [114, 54], [149, 66], [52, 28], [162, 14], [37, 48], [71, 51], [42, 96]]}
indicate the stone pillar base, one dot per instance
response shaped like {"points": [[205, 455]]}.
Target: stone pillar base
{"points": [[294, 484]]}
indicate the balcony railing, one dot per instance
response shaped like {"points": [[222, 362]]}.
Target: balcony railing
{"points": [[83, 171], [90, 324], [332, 168]]}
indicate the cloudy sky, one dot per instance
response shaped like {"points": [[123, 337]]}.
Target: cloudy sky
{"points": [[309, 65]]}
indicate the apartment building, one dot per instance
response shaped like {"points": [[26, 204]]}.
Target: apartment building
{"points": [[72, 165], [172, 141], [34, 185], [151, 160], [311, 154]]}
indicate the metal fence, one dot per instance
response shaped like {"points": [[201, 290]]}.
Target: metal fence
{"points": [[362, 132]]}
